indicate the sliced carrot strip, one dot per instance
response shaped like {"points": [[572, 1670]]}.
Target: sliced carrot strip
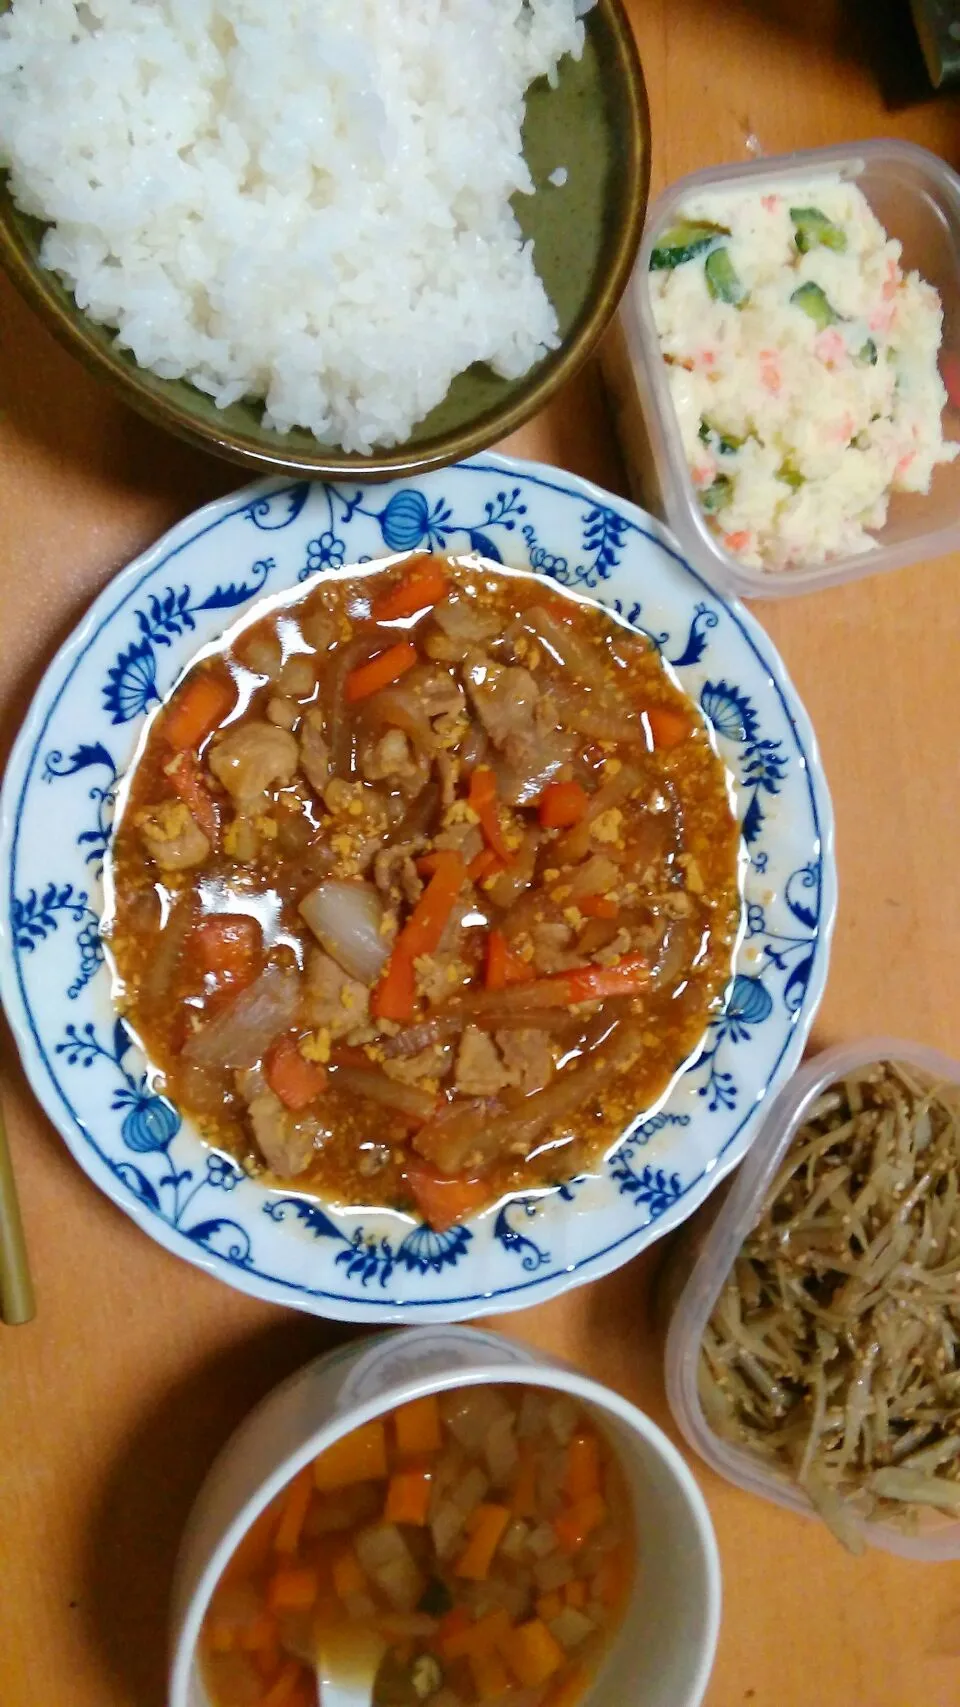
{"points": [[293, 1589], [583, 984], [294, 1512], [589, 983], [533, 1654], [380, 671], [423, 587], [418, 1426], [445, 1199], [574, 1525], [408, 1497], [360, 1456], [482, 798], [422, 932], [491, 1679], [230, 947], [485, 1527], [503, 966], [486, 864], [549, 1607], [562, 804], [453, 1625], [483, 1637], [667, 726], [394, 996], [597, 906], [296, 1081], [582, 1472], [198, 708]]}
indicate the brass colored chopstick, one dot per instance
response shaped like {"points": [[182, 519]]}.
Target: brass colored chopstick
{"points": [[16, 1287]]}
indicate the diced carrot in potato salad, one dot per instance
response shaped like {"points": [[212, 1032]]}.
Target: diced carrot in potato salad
{"points": [[451, 1529], [424, 885]]}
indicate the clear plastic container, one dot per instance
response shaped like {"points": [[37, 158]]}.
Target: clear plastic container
{"points": [[917, 199], [703, 1256]]}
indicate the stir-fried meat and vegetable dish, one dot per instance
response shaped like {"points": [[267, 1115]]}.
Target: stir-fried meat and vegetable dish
{"points": [[480, 1543], [424, 886], [834, 1348]]}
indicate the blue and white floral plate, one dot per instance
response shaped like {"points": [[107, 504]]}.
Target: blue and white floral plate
{"points": [[56, 814]]}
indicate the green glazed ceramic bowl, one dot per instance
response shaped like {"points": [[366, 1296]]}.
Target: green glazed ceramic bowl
{"points": [[586, 234]]}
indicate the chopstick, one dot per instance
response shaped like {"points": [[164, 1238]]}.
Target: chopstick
{"points": [[16, 1287]]}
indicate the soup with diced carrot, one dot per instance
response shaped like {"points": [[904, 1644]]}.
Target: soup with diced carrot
{"points": [[424, 885], [479, 1543]]}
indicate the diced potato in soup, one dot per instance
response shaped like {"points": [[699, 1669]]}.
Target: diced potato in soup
{"points": [[424, 885], [482, 1536]]}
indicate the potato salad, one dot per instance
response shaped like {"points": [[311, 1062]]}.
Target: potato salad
{"points": [[802, 364]]}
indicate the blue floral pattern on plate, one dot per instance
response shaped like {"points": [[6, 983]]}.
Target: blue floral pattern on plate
{"points": [[56, 819]]}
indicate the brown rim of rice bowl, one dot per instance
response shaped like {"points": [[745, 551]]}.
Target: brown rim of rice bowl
{"points": [[157, 399]]}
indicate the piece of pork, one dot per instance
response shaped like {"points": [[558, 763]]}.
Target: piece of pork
{"points": [[252, 758], [172, 838], [332, 1001]]}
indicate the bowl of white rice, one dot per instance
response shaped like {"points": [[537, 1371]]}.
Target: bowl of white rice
{"points": [[339, 237]]}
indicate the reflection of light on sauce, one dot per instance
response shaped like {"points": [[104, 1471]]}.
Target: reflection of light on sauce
{"points": [[561, 1143], [474, 918], [577, 1049], [704, 948], [247, 683], [290, 638]]}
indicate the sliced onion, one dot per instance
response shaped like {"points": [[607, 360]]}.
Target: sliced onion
{"points": [[575, 845], [341, 732], [239, 1036], [164, 963], [520, 785], [565, 644], [345, 918], [518, 875], [594, 715], [401, 709]]}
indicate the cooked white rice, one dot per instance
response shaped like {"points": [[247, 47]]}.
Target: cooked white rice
{"points": [[305, 201]]}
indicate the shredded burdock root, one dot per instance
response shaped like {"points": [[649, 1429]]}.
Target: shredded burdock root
{"points": [[833, 1348]]}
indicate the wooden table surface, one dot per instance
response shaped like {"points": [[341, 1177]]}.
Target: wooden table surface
{"points": [[116, 1399]]}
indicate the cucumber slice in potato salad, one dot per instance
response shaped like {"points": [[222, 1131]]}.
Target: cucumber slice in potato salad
{"points": [[815, 304], [813, 229], [723, 282], [681, 242]]}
